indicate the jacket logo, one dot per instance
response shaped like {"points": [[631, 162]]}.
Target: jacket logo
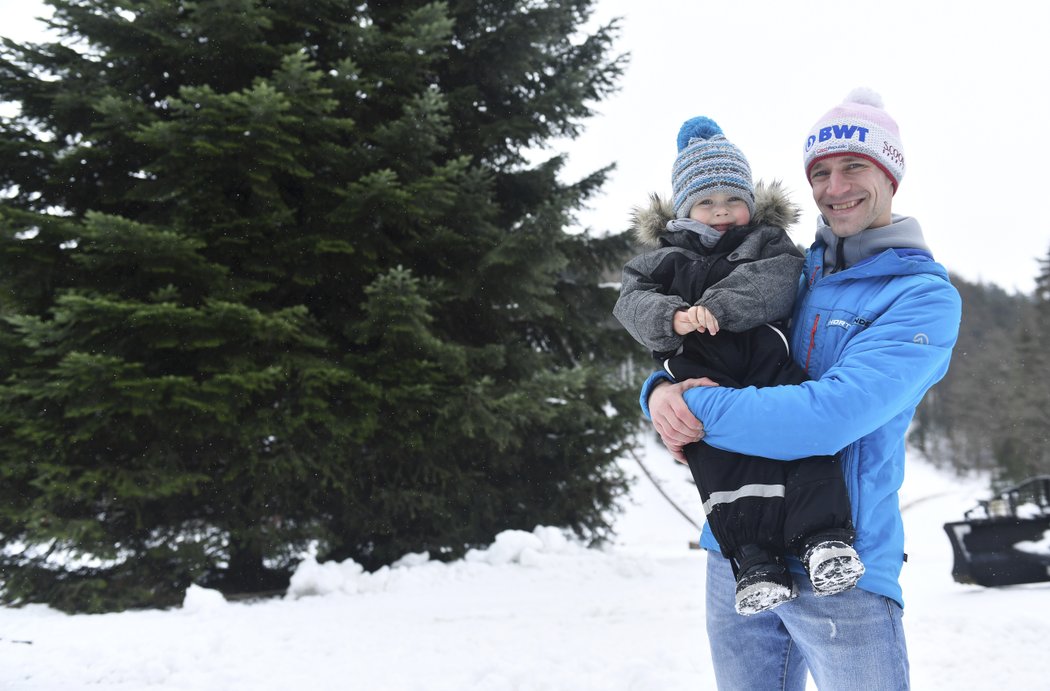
{"points": [[843, 324], [837, 132], [921, 339]]}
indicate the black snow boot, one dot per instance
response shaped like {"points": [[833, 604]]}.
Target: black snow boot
{"points": [[762, 581]]}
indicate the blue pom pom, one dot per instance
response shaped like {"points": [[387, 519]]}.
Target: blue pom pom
{"points": [[697, 128]]}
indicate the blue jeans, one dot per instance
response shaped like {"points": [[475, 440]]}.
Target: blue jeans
{"points": [[853, 640]]}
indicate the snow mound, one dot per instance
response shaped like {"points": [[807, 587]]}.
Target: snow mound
{"points": [[350, 578], [200, 599], [520, 547], [312, 578]]}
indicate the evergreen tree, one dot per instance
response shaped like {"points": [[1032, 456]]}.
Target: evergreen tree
{"points": [[278, 273], [991, 412], [1023, 441], [962, 419]]}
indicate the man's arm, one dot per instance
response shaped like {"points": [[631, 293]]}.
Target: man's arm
{"points": [[882, 371]]}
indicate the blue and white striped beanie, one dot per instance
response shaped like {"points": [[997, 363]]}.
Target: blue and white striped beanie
{"points": [[707, 163]]}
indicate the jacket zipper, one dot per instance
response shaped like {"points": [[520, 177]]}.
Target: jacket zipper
{"points": [[812, 340]]}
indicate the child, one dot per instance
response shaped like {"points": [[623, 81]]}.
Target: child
{"points": [[708, 303]]}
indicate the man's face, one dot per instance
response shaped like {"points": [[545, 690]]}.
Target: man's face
{"points": [[852, 193]]}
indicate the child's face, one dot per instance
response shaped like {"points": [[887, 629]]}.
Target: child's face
{"points": [[721, 211]]}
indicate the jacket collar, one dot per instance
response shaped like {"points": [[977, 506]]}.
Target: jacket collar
{"points": [[903, 233]]}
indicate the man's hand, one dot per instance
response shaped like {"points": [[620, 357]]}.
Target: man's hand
{"points": [[674, 422]]}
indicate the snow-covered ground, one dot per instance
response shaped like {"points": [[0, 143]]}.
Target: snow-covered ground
{"points": [[534, 612]]}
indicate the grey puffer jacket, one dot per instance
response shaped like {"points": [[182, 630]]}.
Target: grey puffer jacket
{"points": [[749, 278]]}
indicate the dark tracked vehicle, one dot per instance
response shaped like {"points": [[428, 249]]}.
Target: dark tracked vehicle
{"points": [[990, 542]]}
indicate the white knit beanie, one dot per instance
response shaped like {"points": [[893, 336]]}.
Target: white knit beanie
{"points": [[858, 127]]}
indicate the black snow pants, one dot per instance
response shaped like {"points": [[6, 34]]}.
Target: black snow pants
{"points": [[777, 505]]}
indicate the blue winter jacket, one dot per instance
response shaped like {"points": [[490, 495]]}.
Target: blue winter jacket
{"points": [[874, 338]]}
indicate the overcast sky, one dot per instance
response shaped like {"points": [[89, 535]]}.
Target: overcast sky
{"points": [[967, 82]]}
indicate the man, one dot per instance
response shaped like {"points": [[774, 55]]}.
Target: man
{"points": [[873, 325]]}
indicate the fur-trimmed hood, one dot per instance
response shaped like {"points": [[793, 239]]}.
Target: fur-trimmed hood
{"points": [[772, 207]]}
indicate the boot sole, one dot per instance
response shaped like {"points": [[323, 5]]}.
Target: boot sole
{"points": [[837, 570], [762, 596]]}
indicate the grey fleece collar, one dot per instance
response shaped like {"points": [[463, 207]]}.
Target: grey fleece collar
{"points": [[709, 237], [903, 232]]}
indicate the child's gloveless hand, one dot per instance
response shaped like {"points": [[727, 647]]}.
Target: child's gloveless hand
{"points": [[696, 318]]}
